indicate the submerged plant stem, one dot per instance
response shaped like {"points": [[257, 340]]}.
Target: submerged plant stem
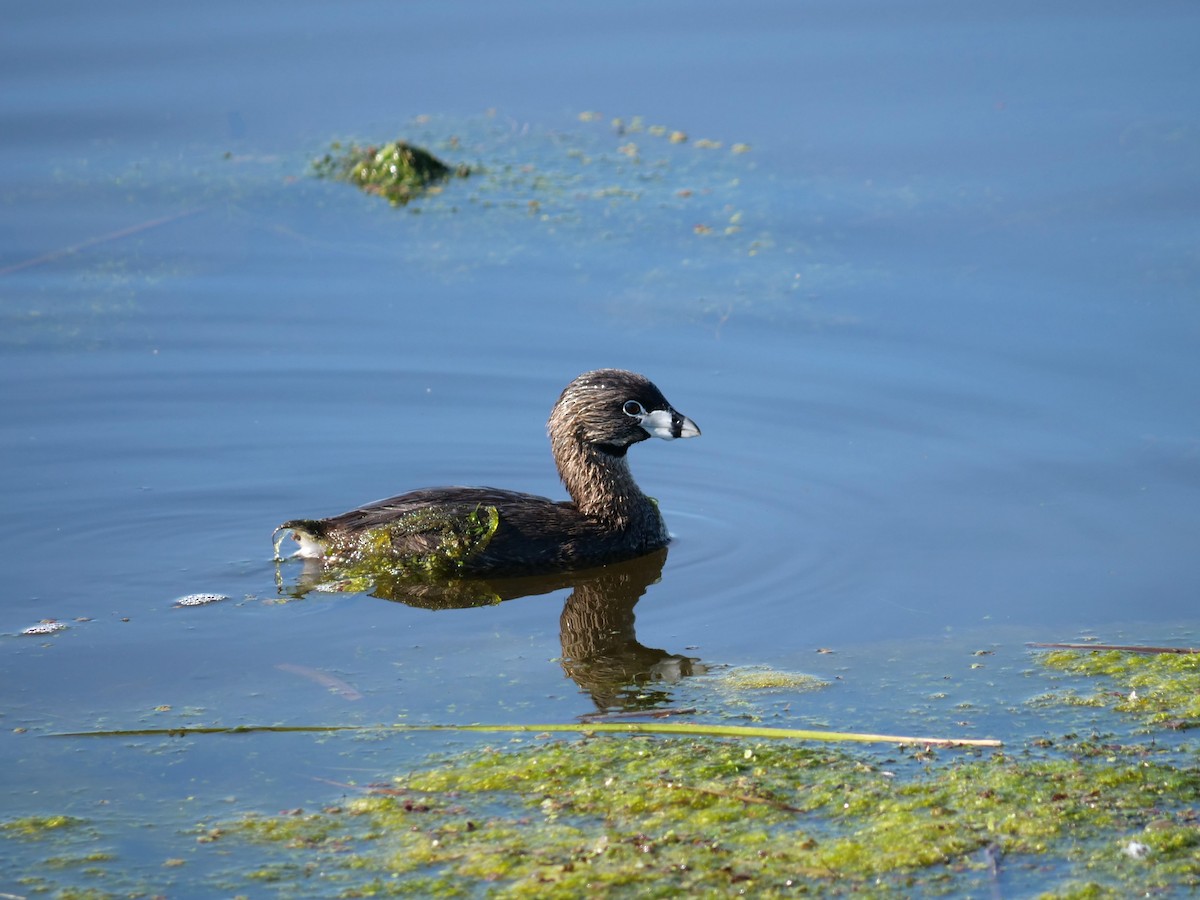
{"points": [[745, 731], [99, 239]]}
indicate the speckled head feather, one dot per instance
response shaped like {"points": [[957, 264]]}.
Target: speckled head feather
{"points": [[611, 409], [597, 418]]}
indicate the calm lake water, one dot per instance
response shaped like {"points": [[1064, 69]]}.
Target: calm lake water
{"points": [[938, 322]]}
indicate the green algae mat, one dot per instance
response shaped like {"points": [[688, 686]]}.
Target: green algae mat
{"points": [[704, 818], [669, 816], [1096, 814], [396, 171]]}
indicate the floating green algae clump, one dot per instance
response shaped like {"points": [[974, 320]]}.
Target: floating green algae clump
{"points": [[1161, 689], [38, 826], [765, 678], [420, 551], [684, 817], [451, 537], [396, 171]]}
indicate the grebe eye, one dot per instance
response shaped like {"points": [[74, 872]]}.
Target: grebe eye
{"points": [[633, 408]]}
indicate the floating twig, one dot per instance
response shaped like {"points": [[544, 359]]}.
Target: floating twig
{"points": [[1126, 648], [676, 728]]}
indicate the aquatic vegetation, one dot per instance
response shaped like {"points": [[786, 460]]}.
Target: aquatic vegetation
{"points": [[556, 189], [703, 816], [1160, 689], [680, 816], [83, 859], [38, 826], [458, 538], [396, 171], [370, 563], [764, 678], [668, 814], [366, 562], [590, 727]]}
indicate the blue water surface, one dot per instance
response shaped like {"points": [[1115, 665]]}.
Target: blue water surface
{"points": [[938, 321]]}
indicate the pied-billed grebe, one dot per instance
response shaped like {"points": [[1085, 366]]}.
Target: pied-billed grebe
{"points": [[483, 531]]}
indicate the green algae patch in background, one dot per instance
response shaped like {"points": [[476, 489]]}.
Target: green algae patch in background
{"points": [[698, 229], [667, 817], [396, 171]]}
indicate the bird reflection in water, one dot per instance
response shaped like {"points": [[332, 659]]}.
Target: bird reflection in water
{"points": [[600, 649]]}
